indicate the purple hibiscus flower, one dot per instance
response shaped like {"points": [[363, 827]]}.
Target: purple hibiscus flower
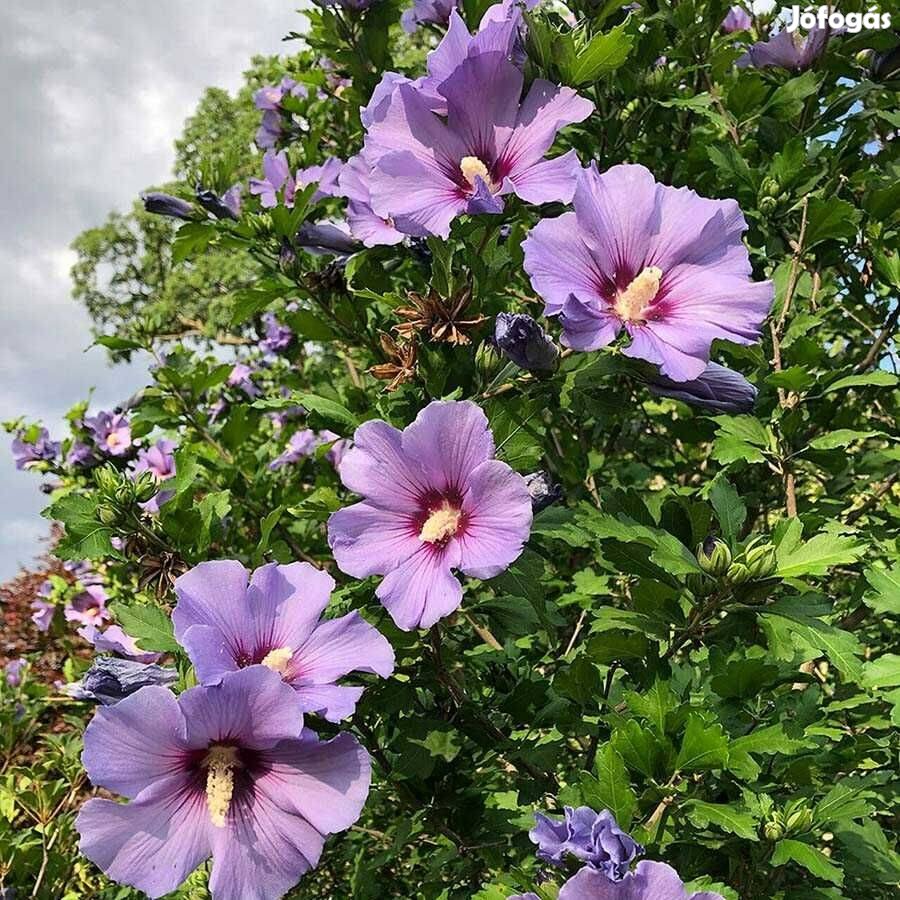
{"points": [[300, 445], [115, 640], [111, 431], [427, 170], [29, 453], [718, 388], [223, 771], [88, 607], [325, 175], [593, 838], [664, 264], [787, 50], [160, 460], [276, 177], [269, 99], [427, 12], [277, 335], [737, 19], [80, 455], [435, 499], [240, 376], [13, 671], [337, 450], [365, 224], [226, 206], [42, 614], [649, 881], [226, 624]]}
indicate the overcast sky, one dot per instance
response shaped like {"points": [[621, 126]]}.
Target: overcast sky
{"points": [[94, 94]]}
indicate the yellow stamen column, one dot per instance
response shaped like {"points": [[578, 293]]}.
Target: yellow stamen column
{"points": [[220, 763]]}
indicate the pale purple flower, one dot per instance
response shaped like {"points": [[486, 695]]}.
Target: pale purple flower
{"points": [[325, 176], [29, 453], [111, 431], [593, 838], [529, 896], [115, 640], [427, 12], [276, 177], [82, 571], [278, 336], [166, 205], [88, 607], [661, 263], [649, 881], [42, 614], [13, 671], [228, 619], [80, 455], [240, 377], [270, 130], [223, 771], [365, 224], [158, 459], [520, 339], [787, 50], [737, 19], [336, 452], [110, 679], [269, 100], [226, 206], [435, 499], [300, 445], [427, 169], [718, 388]]}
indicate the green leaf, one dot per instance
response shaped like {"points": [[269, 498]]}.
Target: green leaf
{"points": [[769, 741], [744, 678], [882, 672], [871, 379], [187, 467], [703, 747], [730, 509], [191, 238], [111, 342], [148, 625], [605, 53], [735, 821], [330, 410], [810, 858], [639, 748], [266, 527], [818, 555], [612, 789], [85, 537], [213, 507], [310, 326], [654, 704], [886, 584], [842, 803], [842, 437], [444, 743], [830, 219]]}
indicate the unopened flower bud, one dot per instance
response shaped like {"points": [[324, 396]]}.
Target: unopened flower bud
{"points": [[714, 557], [768, 204], [106, 478], [228, 206], [543, 490], [523, 341], [124, 493], [738, 573], [799, 821], [166, 205], [717, 388], [769, 187], [761, 561], [107, 513], [774, 829], [488, 360], [145, 486], [110, 679]]}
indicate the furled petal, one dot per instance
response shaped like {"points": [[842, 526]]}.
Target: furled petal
{"points": [[367, 540], [449, 440], [588, 326], [498, 507], [129, 746], [253, 706], [422, 589], [152, 843]]}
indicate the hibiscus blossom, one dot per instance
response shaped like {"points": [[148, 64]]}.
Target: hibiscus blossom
{"points": [[664, 264], [649, 881], [787, 50], [228, 619], [221, 771], [435, 500]]}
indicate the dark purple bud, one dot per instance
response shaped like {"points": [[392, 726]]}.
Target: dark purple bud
{"points": [[718, 389], [228, 206], [110, 679], [523, 341], [544, 491], [166, 205], [326, 238]]}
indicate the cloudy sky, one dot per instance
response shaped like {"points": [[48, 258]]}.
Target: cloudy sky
{"points": [[94, 94]]}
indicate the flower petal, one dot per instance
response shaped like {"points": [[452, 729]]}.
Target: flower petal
{"points": [[588, 326], [209, 651], [548, 180], [334, 702], [212, 593], [366, 540]]}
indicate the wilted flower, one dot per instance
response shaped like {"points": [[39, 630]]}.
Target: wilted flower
{"points": [[428, 169], [649, 881], [278, 336], [523, 341], [300, 445], [427, 12], [221, 771], [718, 388], [110, 679], [438, 319], [111, 431], [401, 362], [240, 377], [543, 491], [166, 205], [115, 640], [593, 838], [226, 206], [13, 671], [28, 453], [435, 500], [737, 19], [227, 624], [662, 263], [88, 607], [787, 50]]}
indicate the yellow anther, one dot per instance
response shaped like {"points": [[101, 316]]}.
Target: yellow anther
{"points": [[472, 167], [443, 523], [220, 763], [631, 303], [277, 660]]}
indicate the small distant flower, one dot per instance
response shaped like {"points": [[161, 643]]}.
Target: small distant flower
{"points": [[270, 129], [42, 614], [335, 81], [787, 50], [158, 459], [718, 388], [434, 500], [337, 450], [112, 432], [523, 341], [228, 619], [427, 12], [738, 19], [649, 881], [115, 640], [110, 680], [365, 224], [593, 838], [269, 100], [216, 409], [221, 771], [80, 455], [13, 670], [88, 607], [28, 453], [661, 263], [276, 177], [226, 206], [326, 178], [82, 571], [240, 377], [166, 205], [300, 445], [428, 169], [278, 336], [543, 490]]}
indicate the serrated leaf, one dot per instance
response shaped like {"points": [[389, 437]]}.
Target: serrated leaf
{"points": [[886, 584], [703, 746], [148, 625], [605, 53], [882, 672], [818, 555], [842, 437], [830, 219], [612, 789], [810, 858], [730, 509], [735, 821], [871, 379]]}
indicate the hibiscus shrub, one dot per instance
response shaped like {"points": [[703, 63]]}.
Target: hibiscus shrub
{"points": [[513, 506]]}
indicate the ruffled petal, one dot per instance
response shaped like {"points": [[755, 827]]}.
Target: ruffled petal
{"points": [[212, 593], [366, 540], [588, 326], [334, 702]]}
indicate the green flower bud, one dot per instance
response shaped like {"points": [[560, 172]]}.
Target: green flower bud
{"points": [[769, 187], [699, 585], [714, 556], [768, 204], [106, 478], [107, 513], [488, 360], [738, 573], [761, 561], [124, 493], [145, 487], [773, 829], [799, 821]]}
